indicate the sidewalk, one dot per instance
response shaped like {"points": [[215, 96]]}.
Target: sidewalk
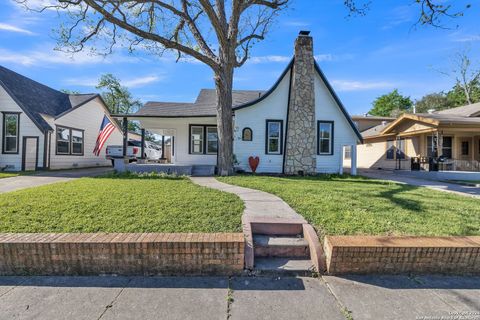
{"points": [[257, 203], [48, 177], [239, 298]]}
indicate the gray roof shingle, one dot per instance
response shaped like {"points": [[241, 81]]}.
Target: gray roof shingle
{"points": [[36, 99], [465, 111], [205, 104]]}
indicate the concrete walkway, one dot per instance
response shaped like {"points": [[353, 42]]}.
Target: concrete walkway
{"points": [[48, 177], [257, 203], [398, 176], [240, 298]]}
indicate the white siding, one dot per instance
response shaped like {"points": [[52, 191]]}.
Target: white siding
{"points": [[88, 118], [327, 109], [273, 107], [179, 128], [27, 128]]}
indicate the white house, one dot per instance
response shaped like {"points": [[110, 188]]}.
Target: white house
{"points": [[42, 128], [298, 126]]}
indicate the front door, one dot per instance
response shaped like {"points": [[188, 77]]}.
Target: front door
{"points": [[30, 154]]}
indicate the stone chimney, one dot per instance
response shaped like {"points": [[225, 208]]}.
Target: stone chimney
{"points": [[300, 147]]}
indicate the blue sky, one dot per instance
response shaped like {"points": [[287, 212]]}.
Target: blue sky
{"points": [[363, 57]]}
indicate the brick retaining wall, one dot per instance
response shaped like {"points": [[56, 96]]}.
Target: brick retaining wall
{"points": [[368, 254], [126, 254]]}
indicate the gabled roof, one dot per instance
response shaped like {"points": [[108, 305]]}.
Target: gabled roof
{"points": [[374, 131], [36, 99], [204, 106], [472, 110]]}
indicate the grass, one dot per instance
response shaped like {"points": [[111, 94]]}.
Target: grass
{"points": [[120, 203], [345, 205], [8, 174]]}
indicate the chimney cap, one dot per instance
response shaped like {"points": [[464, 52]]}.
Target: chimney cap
{"points": [[304, 32]]}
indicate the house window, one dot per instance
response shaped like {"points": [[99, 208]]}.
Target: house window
{"points": [[11, 128], [212, 140], [400, 154], [348, 152], [325, 137], [70, 141], [465, 148], [203, 139], [274, 137], [390, 150], [247, 134], [196, 139], [446, 147]]}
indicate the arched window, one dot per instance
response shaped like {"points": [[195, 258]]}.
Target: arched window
{"points": [[247, 134]]}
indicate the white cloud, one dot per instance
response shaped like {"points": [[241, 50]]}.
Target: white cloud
{"points": [[48, 57], [324, 57], [266, 59], [130, 83], [296, 23], [12, 28], [350, 85], [467, 38]]}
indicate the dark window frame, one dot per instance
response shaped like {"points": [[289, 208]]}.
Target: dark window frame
{"points": [[332, 138], [267, 138], [204, 140], [70, 142], [243, 134], [465, 146], [450, 149], [4, 131], [390, 151]]}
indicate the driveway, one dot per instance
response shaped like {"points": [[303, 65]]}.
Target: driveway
{"points": [[403, 177], [329, 298], [48, 177]]}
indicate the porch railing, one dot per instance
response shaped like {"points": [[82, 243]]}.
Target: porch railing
{"points": [[459, 165]]}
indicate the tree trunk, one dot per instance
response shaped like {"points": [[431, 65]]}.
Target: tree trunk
{"points": [[223, 86]]}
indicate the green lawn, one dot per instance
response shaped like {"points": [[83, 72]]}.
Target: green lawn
{"points": [[8, 174], [120, 204], [354, 205]]}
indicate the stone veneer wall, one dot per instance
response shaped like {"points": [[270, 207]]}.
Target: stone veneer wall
{"points": [[121, 253], [369, 254], [300, 147]]}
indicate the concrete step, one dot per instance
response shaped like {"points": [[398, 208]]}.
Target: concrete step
{"points": [[284, 266], [280, 246]]}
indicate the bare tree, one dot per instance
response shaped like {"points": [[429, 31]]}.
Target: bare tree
{"points": [[465, 74], [432, 12], [219, 33]]}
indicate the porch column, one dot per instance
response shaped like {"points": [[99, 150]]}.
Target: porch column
{"points": [[125, 136], [163, 147], [143, 144], [353, 156]]}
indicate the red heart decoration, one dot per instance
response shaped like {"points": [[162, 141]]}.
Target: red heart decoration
{"points": [[253, 163]]}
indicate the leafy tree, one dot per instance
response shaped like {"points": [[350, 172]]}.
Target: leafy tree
{"points": [[117, 97], [457, 97], [391, 104], [433, 101]]}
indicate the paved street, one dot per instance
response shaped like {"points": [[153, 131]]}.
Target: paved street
{"points": [[48, 177], [357, 297], [403, 177]]}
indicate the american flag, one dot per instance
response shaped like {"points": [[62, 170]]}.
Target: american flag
{"points": [[106, 130]]}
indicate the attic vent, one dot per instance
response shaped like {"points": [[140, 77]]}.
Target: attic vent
{"points": [[384, 123]]}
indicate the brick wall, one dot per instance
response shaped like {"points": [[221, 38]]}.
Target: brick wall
{"points": [[366, 254], [126, 254]]}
